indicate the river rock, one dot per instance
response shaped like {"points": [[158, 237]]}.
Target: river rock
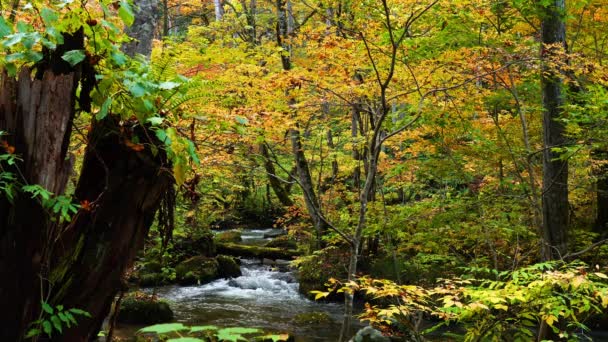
{"points": [[276, 234], [203, 245], [313, 318], [197, 270], [284, 241], [229, 236], [369, 334], [138, 308], [228, 267]]}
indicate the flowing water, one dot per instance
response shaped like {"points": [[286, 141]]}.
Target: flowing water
{"points": [[263, 297]]}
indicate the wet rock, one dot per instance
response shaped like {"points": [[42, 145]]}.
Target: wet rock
{"points": [[284, 241], [313, 318], [228, 267], [229, 236], [369, 334], [152, 279], [274, 234], [255, 251], [197, 270], [138, 308]]}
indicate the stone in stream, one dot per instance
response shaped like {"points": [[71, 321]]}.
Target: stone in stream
{"points": [[228, 267], [139, 308], [369, 334], [197, 270], [229, 236], [275, 234]]}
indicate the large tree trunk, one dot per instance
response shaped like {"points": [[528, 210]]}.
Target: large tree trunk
{"points": [[146, 17], [555, 170], [126, 188], [77, 264], [37, 114]]}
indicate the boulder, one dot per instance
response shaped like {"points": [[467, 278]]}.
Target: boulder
{"points": [[229, 236], [284, 241], [228, 267], [313, 318], [369, 334], [138, 308], [197, 270], [255, 251]]}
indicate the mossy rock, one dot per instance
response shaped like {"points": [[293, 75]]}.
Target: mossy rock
{"points": [[313, 318], [255, 251], [203, 245], [228, 267], [283, 241], [138, 308], [151, 267], [152, 279], [229, 236], [197, 270]]}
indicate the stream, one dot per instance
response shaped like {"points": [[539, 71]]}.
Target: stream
{"points": [[263, 297]]}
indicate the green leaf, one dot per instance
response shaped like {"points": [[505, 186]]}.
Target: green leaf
{"points": [[185, 339], [126, 13], [48, 329], [13, 39], [118, 57], [56, 323], [242, 120], [47, 308], [235, 334], [163, 328], [80, 312], [137, 90], [155, 120], [33, 332], [5, 28], [48, 16], [168, 85], [192, 152], [74, 57], [103, 112], [203, 328]]}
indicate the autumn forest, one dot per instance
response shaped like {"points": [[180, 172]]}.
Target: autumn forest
{"points": [[304, 170]]}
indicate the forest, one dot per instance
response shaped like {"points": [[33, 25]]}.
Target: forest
{"points": [[303, 170]]}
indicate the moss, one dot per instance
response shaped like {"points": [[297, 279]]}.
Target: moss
{"points": [[255, 251], [229, 236], [187, 247], [283, 241], [228, 267], [151, 267], [313, 318], [138, 308], [197, 270], [152, 279]]}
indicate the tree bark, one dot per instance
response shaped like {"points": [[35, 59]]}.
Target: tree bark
{"points": [[305, 181], [144, 25], [278, 188], [37, 114], [601, 184], [555, 170]]}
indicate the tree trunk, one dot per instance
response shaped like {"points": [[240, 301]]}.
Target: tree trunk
{"points": [[219, 10], [142, 30], [601, 218], [555, 170], [278, 188], [305, 181], [37, 114]]}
